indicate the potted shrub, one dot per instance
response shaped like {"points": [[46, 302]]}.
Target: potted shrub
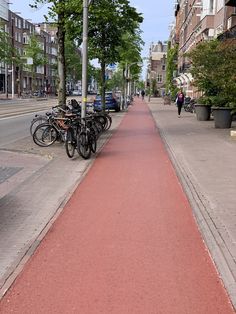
{"points": [[222, 109], [214, 72], [203, 108]]}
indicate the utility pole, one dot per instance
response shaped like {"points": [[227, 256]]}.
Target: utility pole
{"points": [[45, 65], [13, 56], [6, 72], [86, 4], [84, 58]]}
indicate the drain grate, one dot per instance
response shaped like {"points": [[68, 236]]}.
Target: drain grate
{"points": [[7, 172]]}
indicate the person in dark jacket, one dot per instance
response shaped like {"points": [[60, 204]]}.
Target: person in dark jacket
{"points": [[142, 94], [180, 101]]}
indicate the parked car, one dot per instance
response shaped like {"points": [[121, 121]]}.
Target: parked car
{"points": [[76, 92], [111, 102]]}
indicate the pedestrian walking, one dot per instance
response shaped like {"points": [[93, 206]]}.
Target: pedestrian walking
{"points": [[142, 94], [180, 101]]}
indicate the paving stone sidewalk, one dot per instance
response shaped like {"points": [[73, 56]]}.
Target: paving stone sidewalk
{"points": [[204, 158]]}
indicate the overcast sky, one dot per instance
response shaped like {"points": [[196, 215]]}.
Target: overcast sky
{"points": [[158, 15]]}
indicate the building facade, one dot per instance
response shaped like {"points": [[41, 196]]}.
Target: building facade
{"points": [[197, 21], [156, 73], [17, 78]]}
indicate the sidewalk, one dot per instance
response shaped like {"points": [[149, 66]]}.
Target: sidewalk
{"points": [[126, 242], [204, 158]]}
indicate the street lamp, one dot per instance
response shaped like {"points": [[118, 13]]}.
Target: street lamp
{"points": [[13, 57], [86, 4], [128, 85], [129, 66]]}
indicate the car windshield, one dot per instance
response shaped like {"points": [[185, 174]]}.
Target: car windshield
{"points": [[107, 96]]}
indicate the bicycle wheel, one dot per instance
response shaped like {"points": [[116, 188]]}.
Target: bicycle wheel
{"points": [[103, 120], [93, 142], [83, 145], [45, 135], [109, 122], [70, 143], [37, 121]]}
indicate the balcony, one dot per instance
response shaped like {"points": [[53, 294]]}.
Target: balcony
{"points": [[229, 34], [231, 22], [230, 3], [207, 22]]}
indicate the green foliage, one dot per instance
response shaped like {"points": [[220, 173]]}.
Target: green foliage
{"points": [[130, 50], [116, 82], [214, 71], [111, 24], [7, 51], [108, 22], [35, 51], [171, 68], [73, 59], [154, 90], [141, 85]]}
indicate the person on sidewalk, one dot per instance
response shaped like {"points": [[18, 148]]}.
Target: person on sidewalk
{"points": [[180, 101], [142, 94]]}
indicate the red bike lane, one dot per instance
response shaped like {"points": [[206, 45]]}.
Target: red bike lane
{"points": [[126, 242]]}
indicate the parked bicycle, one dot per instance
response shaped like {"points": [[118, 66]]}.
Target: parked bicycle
{"points": [[66, 125], [189, 104]]}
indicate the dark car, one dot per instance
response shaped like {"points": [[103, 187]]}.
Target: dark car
{"points": [[111, 102]]}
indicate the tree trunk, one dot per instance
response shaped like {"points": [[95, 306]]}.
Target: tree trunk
{"points": [[61, 61], [124, 91], [33, 79], [103, 85]]}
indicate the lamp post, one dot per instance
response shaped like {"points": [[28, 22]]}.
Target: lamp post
{"points": [[45, 65], [12, 62], [128, 83], [6, 72], [86, 4]]}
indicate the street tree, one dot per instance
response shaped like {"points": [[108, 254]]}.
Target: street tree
{"points": [[8, 53], [130, 56], [171, 70], [6, 49], [108, 21], [35, 52], [73, 60], [59, 11]]}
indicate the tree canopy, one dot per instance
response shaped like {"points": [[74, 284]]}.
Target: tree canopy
{"points": [[109, 20], [213, 66]]}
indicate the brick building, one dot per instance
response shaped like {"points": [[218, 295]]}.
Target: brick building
{"points": [[196, 21], [15, 78], [157, 66]]}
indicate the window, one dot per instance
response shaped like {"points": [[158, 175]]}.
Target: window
{"points": [[211, 8], [220, 5], [159, 78], [163, 67]]}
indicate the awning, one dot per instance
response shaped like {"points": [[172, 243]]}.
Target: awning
{"points": [[184, 78], [188, 77]]}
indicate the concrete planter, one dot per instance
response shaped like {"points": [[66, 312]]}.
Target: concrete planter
{"points": [[222, 117], [203, 112]]}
